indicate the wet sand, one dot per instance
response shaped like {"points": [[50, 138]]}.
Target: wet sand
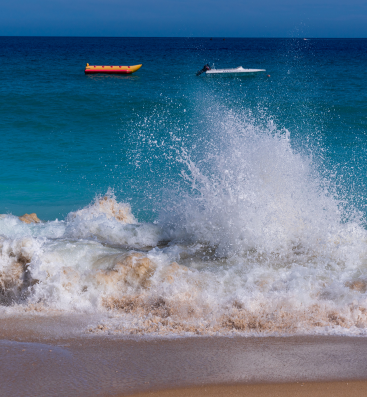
{"points": [[48, 357], [300, 389]]}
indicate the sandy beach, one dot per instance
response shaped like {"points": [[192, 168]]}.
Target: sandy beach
{"points": [[41, 361], [299, 389]]}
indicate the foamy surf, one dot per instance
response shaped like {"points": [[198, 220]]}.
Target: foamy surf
{"points": [[255, 243]]}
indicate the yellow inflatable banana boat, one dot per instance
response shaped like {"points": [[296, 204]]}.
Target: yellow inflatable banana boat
{"points": [[89, 69]]}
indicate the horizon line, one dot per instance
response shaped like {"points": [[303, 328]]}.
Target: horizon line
{"points": [[189, 37]]}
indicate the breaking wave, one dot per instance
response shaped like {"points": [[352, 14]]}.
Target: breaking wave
{"points": [[255, 241]]}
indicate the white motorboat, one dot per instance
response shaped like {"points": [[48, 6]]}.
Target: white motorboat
{"points": [[208, 70], [240, 69]]}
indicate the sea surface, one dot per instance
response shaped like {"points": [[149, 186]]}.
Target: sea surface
{"points": [[176, 204]]}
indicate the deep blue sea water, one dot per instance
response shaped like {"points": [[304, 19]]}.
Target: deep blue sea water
{"points": [[231, 203], [66, 137]]}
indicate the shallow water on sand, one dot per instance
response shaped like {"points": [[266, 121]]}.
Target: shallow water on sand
{"points": [[106, 366]]}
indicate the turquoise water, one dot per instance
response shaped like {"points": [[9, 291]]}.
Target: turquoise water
{"points": [[67, 137], [172, 203]]}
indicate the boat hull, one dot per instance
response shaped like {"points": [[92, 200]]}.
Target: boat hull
{"points": [[93, 69]]}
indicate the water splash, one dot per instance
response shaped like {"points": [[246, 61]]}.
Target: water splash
{"points": [[252, 240]]}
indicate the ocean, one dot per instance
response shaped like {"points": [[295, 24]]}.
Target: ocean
{"points": [[172, 204]]}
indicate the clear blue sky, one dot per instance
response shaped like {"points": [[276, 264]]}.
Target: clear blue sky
{"points": [[222, 18]]}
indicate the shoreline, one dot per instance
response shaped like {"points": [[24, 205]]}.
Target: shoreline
{"points": [[53, 362]]}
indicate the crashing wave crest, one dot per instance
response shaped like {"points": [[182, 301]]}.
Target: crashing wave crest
{"points": [[254, 243]]}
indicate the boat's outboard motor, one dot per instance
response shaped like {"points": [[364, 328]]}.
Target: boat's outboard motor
{"points": [[204, 69]]}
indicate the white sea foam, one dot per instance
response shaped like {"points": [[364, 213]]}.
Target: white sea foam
{"points": [[106, 220], [255, 243]]}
